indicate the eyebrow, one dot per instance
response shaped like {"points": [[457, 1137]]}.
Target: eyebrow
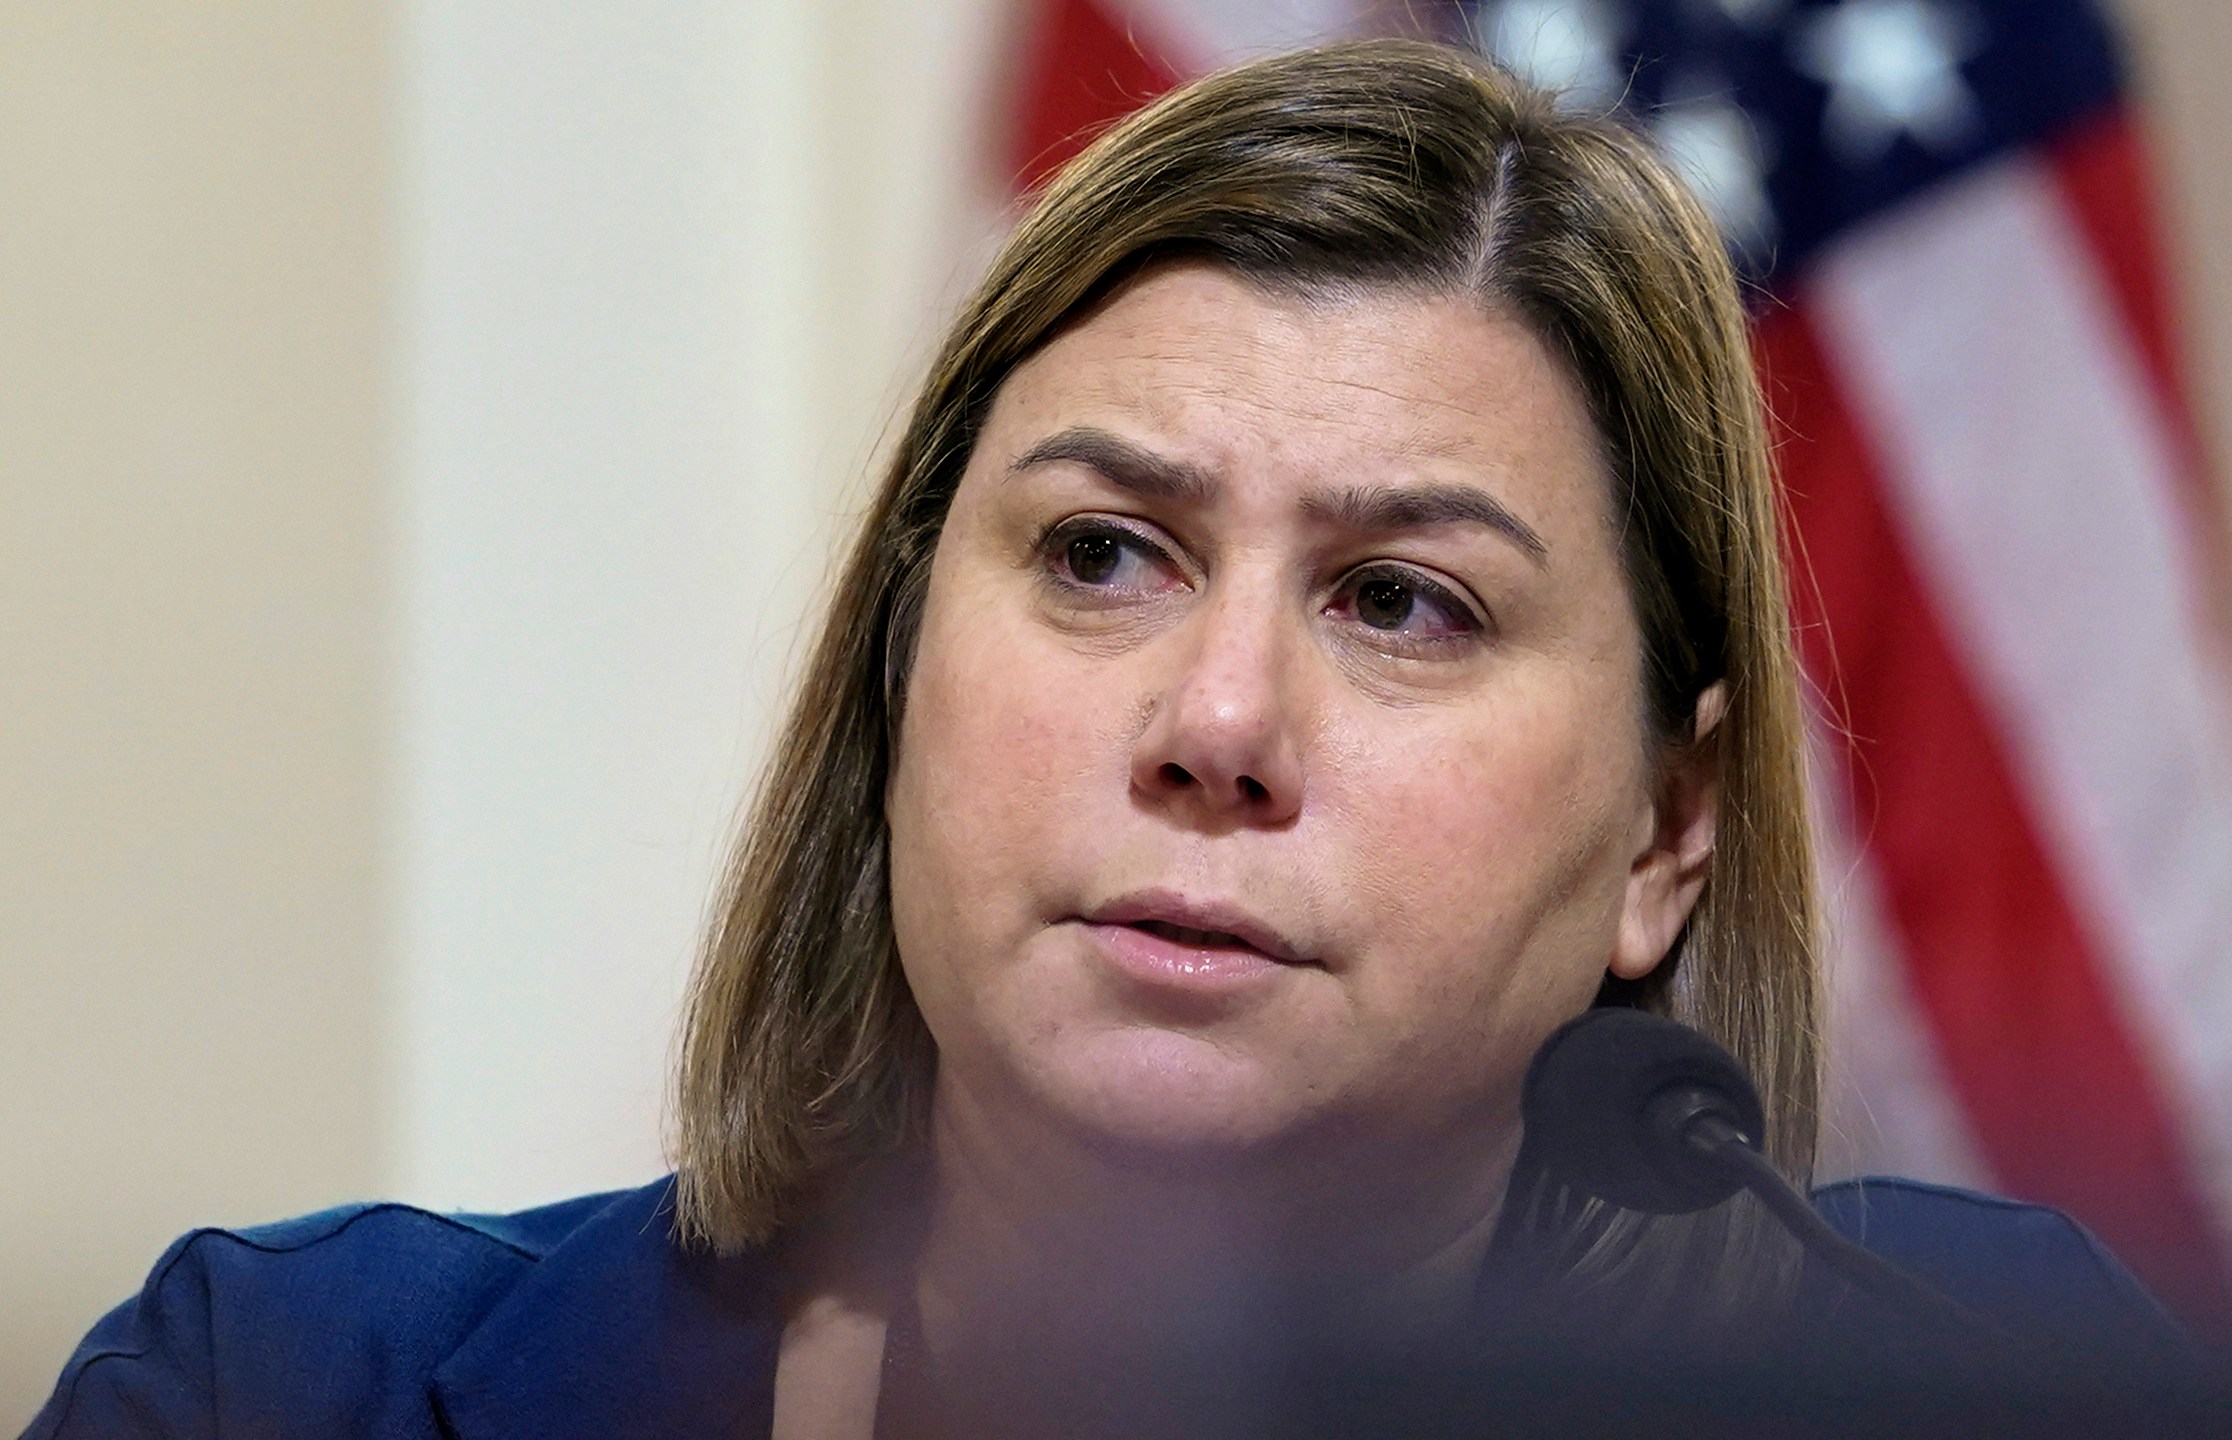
{"points": [[1414, 507], [1121, 463], [1360, 507]]}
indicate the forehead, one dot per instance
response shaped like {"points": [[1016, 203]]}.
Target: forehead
{"points": [[1346, 384]]}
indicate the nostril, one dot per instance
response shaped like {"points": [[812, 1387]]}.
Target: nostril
{"points": [[1176, 776], [1252, 789]]}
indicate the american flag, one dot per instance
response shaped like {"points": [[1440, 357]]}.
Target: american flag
{"points": [[2010, 585]]}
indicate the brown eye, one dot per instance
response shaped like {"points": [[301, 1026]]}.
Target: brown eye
{"points": [[1406, 606], [1385, 604], [1092, 559], [1097, 558]]}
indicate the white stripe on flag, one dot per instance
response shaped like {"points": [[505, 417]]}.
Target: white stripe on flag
{"points": [[1210, 33], [1887, 1107], [2024, 453]]}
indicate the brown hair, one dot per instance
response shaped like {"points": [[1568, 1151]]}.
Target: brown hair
{"points": [[1365, 164]]}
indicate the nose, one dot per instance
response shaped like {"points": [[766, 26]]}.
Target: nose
{"points": [[1221, 734]]}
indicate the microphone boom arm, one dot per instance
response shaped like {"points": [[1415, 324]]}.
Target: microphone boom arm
{"points": [[1711, 1135]]}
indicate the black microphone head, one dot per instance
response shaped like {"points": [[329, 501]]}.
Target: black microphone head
{"points": [[1609, 1097]]}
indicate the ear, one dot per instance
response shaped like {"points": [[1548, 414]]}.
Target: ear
{"points": [[1674, 845]]}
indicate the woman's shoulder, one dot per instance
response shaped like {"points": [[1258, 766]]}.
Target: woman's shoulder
{"points": [[2030, 1267], [370, 1319], [1988, 1251]]}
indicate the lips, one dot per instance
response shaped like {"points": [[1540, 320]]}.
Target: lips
{"points": [[1198, 923], [1179, 934]]}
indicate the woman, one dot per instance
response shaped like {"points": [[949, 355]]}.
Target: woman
{"points": [[1322, 629], [1340, 526]]}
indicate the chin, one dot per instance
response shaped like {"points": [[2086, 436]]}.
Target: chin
{"points": [[1173, 1095]]}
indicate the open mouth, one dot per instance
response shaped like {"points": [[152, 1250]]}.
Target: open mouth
{"points": [[1185, 935], [1204, 925]]}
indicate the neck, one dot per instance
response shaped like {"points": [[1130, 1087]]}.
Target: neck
{"points": [[1053, 1268]]}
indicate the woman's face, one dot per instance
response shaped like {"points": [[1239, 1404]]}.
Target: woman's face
{"points": [[1274, 766]]}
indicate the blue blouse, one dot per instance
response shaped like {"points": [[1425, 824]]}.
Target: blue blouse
{"points": [[584, 1318]]}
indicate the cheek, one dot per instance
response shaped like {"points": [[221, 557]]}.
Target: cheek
{"points": [[1003, 754], [1493, 852]]}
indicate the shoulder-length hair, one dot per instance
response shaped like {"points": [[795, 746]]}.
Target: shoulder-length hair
{"points": [[1383, 163]]}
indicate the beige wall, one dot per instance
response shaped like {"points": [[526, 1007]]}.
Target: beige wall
{"points": [[2182, 50], [420, 425], [193, 261], [661, 266]]}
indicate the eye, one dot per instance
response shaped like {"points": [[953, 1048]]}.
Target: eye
{"points": [[1103, 557], [1093, 558], [1403, 604]]}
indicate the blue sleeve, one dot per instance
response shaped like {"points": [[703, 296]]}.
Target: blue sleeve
{"points": [[330, 1325], [2030, 1267]]}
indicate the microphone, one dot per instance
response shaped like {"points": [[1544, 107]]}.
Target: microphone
{"points": [[1612, 1102], [1645, 1113]]}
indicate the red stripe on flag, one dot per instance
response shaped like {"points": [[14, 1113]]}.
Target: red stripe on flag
{"points": [[1084, 67], [2060, 1099]]}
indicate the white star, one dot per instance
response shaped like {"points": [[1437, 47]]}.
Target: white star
{"points": [[1570, 46], [1893, 67], [1719, 147], [1751, 14]]}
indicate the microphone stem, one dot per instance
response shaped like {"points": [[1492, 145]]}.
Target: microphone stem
{"points": [[1863, 1269]]}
